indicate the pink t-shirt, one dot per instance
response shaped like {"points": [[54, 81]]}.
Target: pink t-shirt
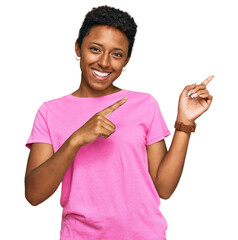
{"points": [[107, 192]]}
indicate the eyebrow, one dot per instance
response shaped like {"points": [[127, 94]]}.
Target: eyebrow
{"points": [[102, 46]]}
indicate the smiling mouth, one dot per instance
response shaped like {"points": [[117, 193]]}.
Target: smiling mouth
{"points": [[101, 75]]}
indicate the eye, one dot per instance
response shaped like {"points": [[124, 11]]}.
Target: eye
{"points": [[95, 49], [117, 54]]}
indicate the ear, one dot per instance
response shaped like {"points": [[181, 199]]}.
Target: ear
{"points": [[77, 49], [127, 60]]}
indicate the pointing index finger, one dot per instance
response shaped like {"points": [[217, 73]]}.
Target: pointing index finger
{"points": [[207, 80], [107, 111]]}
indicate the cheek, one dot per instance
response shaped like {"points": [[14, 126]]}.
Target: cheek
{"points": [[88, 59], [85, 62], [117, 66]]}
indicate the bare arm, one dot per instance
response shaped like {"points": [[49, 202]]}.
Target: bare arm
{"points": [[45, 169], [155, 153], [169, 165], [165, 167]]}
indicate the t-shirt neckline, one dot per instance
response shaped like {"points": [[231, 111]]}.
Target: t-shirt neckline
{"points": [[97, 98]]}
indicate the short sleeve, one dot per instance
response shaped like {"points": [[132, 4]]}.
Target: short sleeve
{"points": [[157, 129], [40, 132]]}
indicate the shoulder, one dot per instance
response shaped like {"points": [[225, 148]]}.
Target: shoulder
{"points": [[53, 104], [56, 101]]}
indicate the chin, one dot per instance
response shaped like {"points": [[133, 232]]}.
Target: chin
{"points": [[99, 87]]}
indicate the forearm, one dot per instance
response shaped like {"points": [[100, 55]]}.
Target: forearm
{"points": [[191, 105], [171, 167], [43, 181]]}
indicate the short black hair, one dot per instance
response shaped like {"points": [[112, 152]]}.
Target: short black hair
{"points": [[110, 16]]}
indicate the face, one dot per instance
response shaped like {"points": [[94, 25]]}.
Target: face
{"points": [[103, 54]]}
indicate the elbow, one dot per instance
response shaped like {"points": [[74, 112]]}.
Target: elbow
{"points": [[30, 195], [33, 203], [164, 191], [31, 199], [165, 196]]}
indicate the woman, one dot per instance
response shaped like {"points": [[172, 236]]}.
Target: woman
{"points": [[106, 144]]}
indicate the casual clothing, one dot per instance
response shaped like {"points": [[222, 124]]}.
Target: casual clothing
{"points": [[107, 192]]}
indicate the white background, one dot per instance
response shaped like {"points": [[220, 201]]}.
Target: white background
{"points": [[177, 43]]}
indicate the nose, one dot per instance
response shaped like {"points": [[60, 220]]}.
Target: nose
{"points": [[104, 61]]}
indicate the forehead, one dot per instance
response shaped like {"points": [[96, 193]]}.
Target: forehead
{"points": [[107, 36]]}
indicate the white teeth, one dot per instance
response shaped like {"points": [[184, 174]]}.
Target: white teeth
{"points": [[101, 74]]}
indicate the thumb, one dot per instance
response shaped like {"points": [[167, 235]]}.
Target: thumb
{"points": [[187, 89]]}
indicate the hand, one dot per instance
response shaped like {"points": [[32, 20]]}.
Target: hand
{"points": [[193, 105], [97, 126]]}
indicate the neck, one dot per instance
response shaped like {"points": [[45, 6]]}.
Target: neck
{"points": [[86, 92]]}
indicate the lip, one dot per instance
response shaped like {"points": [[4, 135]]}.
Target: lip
{"points": [[100, 78]]}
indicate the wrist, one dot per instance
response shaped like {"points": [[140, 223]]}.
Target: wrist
{"points": [[185, 121], [74, 141], [185, 126]]}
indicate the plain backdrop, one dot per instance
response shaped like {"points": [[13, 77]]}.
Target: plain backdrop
{"points": [[177, 43]]}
